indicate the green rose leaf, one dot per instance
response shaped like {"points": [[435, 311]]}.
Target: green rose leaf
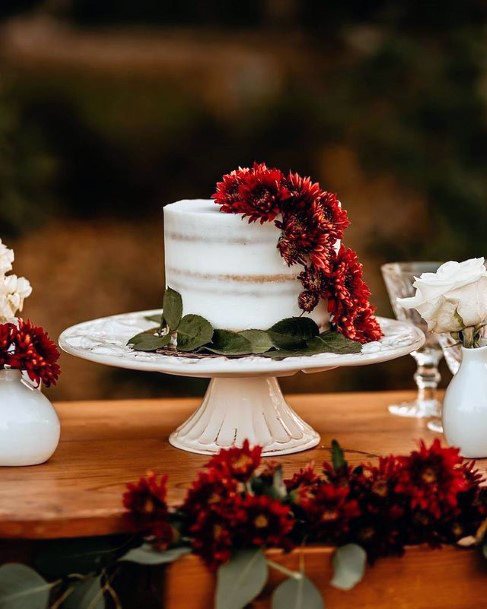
{"points": [[348, 566], [147, 555], [259, 339], [337, 456], [22, 588], [148, 341], [225, 342], [194, 331], [293, 332], [86, 594], [241, 579], [296, 593], [334, 342], [172, 308]]}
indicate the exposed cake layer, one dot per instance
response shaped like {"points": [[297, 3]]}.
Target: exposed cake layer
{"points": [[229, 271]]}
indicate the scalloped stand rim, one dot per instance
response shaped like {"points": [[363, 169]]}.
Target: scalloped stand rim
{"points": [[236, 409]]}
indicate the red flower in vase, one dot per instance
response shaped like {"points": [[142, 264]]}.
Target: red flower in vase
{"points": [[35, 353], [7, 334]]}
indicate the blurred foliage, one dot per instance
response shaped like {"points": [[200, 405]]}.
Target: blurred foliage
{"points": [[398, 83]]}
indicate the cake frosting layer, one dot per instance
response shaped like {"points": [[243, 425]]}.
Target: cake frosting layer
{"points": [[230, 271]]}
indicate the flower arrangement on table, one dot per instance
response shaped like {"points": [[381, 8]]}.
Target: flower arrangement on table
{"points": [[23, 346], [238, 507]]}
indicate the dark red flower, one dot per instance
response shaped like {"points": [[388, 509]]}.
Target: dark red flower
{"points": [[348, 299], [302, 192], [7, 337], [328, 215], [432, 477], [210, 489], [212, 536], [263, 521], [146, 498], [257, 192], [35, 353], [307, 301], [237, 463]]}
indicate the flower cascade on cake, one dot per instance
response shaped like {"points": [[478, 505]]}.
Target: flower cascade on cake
{"points": [[312, 223]]}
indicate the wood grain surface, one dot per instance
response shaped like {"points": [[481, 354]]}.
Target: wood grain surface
{"points": [[105, 444]]}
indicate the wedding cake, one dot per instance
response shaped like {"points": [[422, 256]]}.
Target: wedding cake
{"points": [[268, 246], [230, 271]]}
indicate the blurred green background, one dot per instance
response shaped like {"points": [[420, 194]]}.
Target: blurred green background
{"points": [[110, 109]]}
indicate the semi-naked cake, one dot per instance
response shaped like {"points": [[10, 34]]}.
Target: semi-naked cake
{"points": [[230, 271]]}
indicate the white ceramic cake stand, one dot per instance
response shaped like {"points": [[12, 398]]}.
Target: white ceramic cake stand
{"points": [[243, 399]]}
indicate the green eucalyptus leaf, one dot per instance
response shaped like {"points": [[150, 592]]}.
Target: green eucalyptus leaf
{"points": [[337, 456], [172, 308], [147, 555], [259, 339], [22, 588], [146, 341], [348, 566], [293, 332], [334, 342], [296, 593], [194, 331], [241, 579], [157, 318], [225, 342], [278, 486], [86, 594]]}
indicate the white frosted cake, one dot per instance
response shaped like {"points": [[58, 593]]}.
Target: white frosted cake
{"points": [[230, 271]]}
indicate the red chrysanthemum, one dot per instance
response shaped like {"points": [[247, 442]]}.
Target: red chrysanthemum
{"points": [[237, 463], [146, 498], [302, 192], [328, 215], [257, 193], [212, 536], [35, 353], [431, 478], [348, 299], [263, 521], [209, 490], [329, 510], [7, 336]]}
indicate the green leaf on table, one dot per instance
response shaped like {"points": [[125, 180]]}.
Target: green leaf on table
{"points": [[334, 342], [172, 308], [148, 341], [147, 555], [348, 566], [241, 579], [22, 588], [337, 456], [225, 342], [296, 593], [293, 332], [279, 489], [157, 317], [86, 594], [194, 331], [259, 339]]}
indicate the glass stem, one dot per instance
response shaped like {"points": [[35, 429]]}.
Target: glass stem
{"points": [[427, 376]]}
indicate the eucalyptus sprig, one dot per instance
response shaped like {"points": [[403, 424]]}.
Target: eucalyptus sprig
{"points": [[291, 337]]}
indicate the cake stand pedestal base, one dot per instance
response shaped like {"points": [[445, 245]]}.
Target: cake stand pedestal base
{"points": [[246, 408]]}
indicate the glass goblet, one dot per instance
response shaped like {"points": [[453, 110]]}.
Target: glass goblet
{"points": [[399, 278]]}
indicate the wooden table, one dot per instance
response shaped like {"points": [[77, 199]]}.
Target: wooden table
{"points": [[105, 444]]}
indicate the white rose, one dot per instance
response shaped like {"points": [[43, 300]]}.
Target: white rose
{"points": [[453, 298], [6, 259], [13, 291]]}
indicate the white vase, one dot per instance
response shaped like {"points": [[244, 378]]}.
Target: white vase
{"points": [[465, 405], [29, 425]]}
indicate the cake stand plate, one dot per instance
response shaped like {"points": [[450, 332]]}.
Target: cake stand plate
{"points": [[243, 400]]}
